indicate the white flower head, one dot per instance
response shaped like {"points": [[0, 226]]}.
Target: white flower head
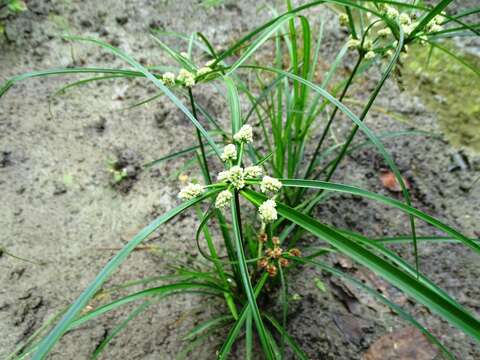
{"points": [[391, 12], [353, 43], [270, 184], [369, 55], [186, 77], [236, 177], [384, 32], [245, 134], [253, 171], [223, 199], [229, 152], [438, 18], [407, 29], [434, 27], [343, 19], [405, 19], [267, 211], [190, 191], [368, 44], [203, 71], [168, 78], [223, 175]]}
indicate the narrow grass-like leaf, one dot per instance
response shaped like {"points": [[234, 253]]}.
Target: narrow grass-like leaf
{"points": [[233, 103], [247, 286], [143, 70], [49, 341], [213, 322], [385, 200], [457, 316], [237, 327], [406, 316], [297, 350], [140, 309]]}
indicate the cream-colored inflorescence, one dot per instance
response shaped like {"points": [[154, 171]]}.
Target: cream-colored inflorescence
{"points": [[384, 32], [190, 191], [391, 12], [245, 134], [253, 171], [405, 19], [270, 184], [235, 176], [223, 199], [229, 152], [353, 43], [186, 77], [369, 55], [268, 211], [434, 24], [168, 78], [407, 29], [368, 44]]}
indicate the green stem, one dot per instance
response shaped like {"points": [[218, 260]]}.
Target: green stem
{"points": [[327, 128], [247, 285], [221, 220], [199, 137]]}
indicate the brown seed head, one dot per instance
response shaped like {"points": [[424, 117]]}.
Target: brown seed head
{"points": [[272, 270], [277, 252], [283, 262], [263, 263], [295, 252], [275, 240]]}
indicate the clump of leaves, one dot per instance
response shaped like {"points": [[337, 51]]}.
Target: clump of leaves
{"points": [[274, 138]]}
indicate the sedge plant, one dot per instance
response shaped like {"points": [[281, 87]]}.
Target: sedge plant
{"points": [[274, 174]]}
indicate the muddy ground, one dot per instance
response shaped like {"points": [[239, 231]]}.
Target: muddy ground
{"points": [[58, 206]]}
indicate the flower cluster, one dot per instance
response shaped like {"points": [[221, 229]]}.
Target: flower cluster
{"points": [[223, 199], [353, 43], [435, 24], [191, 191], [272, 256], [168, 78], [268, 211], [253, 171], [235, 176], [381, 40], [245, 134], [229, 153], [270, 185], [186, 77]]}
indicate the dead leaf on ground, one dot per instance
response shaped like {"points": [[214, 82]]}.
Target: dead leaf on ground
{"points": [[405, 344], [390, 182]]}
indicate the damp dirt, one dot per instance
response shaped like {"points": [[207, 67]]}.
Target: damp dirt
{"points": [[61, 211]]}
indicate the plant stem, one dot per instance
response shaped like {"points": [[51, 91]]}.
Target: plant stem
{"points": [[330, 121], [311, 165], [199, 137]]}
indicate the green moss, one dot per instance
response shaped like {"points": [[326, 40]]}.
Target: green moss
{"points": [[450, 90]]}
